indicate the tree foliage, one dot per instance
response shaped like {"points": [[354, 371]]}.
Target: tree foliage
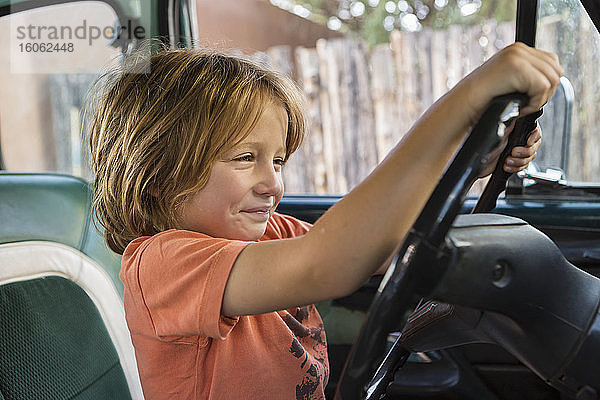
{"points": [[372, 20]]}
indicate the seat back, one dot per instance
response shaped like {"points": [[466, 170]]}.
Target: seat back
{"points": [[54, 208], [62, 325]]}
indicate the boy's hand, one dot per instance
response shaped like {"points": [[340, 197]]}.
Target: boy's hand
{"points": [[519, 158], [516, 68]]}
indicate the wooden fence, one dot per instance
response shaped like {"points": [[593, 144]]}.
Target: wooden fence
{"points": [[360, 102]]}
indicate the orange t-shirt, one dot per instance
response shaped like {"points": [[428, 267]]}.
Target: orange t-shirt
{"points": [[185, 349]]}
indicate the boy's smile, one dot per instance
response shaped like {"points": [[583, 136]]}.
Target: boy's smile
{"points": [[245, 184]]}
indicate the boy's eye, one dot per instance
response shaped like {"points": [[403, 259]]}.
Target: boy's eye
{"points": [[279, 161], [245, 158]]}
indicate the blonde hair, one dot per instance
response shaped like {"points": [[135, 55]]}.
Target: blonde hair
{"points": [[155, 135]]}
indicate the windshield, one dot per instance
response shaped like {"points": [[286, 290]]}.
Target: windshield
{"points": [[570, 123]]}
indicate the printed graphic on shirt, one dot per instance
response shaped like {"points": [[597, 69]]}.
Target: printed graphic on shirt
{"points": [[314, 365]]}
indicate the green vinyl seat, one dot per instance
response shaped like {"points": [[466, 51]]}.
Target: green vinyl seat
{"points": [[63, 333]]}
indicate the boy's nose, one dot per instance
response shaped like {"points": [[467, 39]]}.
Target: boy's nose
{"points": [[269, 182]]}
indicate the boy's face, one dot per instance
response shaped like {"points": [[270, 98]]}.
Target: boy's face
{"points": [[245, 184]]}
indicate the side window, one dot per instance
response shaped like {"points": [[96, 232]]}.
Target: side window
{"points": [[363, 97], [46, 67], [571, 134]]}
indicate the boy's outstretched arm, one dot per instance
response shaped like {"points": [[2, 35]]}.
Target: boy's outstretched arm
{"points": [[351, 240]]}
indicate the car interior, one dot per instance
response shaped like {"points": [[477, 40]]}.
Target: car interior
{"points": [[522, 327]]}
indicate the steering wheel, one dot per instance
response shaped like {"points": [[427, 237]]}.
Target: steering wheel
{"points": [[423, 259]]}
